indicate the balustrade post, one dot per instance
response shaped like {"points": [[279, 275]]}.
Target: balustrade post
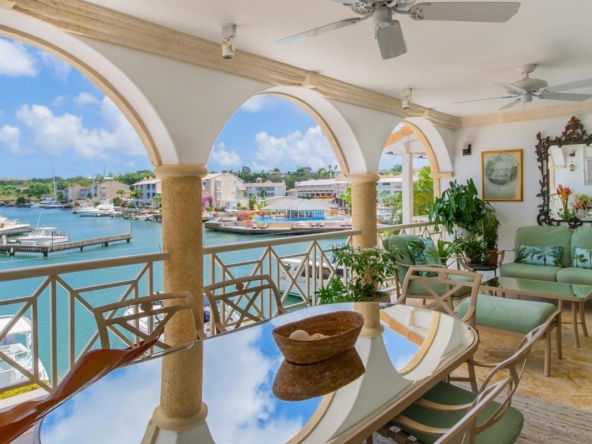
{"points": [[181, 409], [364, 208]]}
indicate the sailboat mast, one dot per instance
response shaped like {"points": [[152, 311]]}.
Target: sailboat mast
{"points": [[55, 188]]}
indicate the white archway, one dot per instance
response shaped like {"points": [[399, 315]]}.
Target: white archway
{"points": [[99, 70]]}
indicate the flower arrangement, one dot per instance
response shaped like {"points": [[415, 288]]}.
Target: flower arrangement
{"points": [[564, 193]]}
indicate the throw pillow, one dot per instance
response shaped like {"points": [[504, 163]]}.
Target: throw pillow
{"points": [[582, 258], [535, 255], [424, 252]]}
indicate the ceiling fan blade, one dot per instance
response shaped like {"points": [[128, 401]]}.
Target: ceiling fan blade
{"points": [[482, 100], [512, 104], [391, 41], [566, 96], [572, 85], [327, 28], [491, 12], [512, 88], [349, 2]]}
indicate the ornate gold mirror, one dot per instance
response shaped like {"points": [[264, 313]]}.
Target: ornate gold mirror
{"points": [[565, 163]]}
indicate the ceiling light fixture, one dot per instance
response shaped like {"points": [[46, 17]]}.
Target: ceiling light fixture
{"points": [[228, 37]]}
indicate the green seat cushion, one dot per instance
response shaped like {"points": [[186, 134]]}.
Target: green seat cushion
{"points": [[538, 255], [548, 236], [508, 314], [417, 289], [582, 257], [399, 244], [575, 276], [527, 271], [505, 431]]}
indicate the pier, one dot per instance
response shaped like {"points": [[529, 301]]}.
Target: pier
{"points": [[14, 248]]}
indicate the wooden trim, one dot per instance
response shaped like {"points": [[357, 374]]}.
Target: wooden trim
{"points": [[403, 132], [442, 175], [314, 420], [425, 346], [90, 20], [523, 115]]}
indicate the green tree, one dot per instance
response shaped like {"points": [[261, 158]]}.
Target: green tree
{"points": [[423, 192], [136, 194], [347, 199]]}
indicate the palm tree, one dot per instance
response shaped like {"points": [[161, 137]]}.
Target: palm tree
{"points": [[136, 194]]}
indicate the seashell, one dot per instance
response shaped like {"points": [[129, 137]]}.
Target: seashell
{"points": [[318, 336], [300, 335]]}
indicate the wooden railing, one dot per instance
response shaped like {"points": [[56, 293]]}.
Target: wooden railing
{"points": [[58, 311], [59, 298]]}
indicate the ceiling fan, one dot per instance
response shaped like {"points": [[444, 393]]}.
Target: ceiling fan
{"points": [[523, 91], [388, 32]]}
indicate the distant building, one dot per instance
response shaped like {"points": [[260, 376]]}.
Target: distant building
{"points": [[330, 188], [222, 188], [150, 188], [272, 189], [322, 188], [98, 191]]}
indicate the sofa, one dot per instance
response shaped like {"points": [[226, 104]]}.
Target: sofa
{"points": [[549, 236]]}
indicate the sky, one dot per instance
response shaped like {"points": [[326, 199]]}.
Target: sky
{"points": [[52, 118]]}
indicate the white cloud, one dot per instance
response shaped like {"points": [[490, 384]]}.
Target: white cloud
{"points": [[61, 69], [85, 98], [310, 149], [59, 100], [16, 60], [55, 134], [258, 103], [130, 164], [225, 158], [10, 137]]}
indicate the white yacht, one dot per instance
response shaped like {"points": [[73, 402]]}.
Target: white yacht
{"points": [[10, 226], [49, 203], [105, 208], [17, 345], [44, 236]]}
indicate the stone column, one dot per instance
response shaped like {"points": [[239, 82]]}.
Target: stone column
{"points": [[181, 407], [364, 208]]}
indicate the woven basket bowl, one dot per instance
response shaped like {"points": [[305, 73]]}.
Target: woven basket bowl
{"points": [[295, 382], [341, 328]]}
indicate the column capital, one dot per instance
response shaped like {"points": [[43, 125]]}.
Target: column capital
{"points": [[363, 178], [178, 170]]}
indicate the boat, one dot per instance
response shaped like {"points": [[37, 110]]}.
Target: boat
{"points": [[49, 203], [105, 208], [17, 345], [12, 226], [43, 236]]}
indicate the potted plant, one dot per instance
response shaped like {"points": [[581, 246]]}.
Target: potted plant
{"points": [[368, 269], [474, 248], [459, 206], [489, 230]]}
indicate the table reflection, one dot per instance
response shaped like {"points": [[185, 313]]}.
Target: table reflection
{"points": [[239, 370]]}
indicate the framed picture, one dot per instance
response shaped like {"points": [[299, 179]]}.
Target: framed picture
{"points": [[501, 174]]}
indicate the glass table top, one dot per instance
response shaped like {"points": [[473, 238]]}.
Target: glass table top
{"points": [[239, 371], [534, 287]]}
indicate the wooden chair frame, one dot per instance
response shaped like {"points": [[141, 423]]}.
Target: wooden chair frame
{"points": [[106, 319], [467, 429], [242, 288], [445, 301]]}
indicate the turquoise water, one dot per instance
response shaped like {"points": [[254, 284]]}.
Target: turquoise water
{"points": [[147, 238]]}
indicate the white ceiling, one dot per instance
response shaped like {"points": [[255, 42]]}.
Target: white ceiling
{"points": [[446, 62]]}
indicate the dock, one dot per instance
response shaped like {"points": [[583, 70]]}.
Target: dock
{"points": [[14, 248], [15, 231], [289, 229]]}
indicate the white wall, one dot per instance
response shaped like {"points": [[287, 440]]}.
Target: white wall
{"points": [[509, 136]]}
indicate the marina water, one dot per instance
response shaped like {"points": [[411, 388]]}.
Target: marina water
{"points": [[147, 238]]}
